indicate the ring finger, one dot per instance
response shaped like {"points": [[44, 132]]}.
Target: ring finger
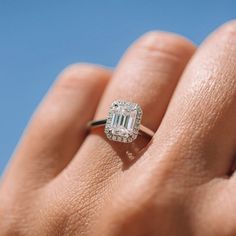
{"points": [[146, 75]]}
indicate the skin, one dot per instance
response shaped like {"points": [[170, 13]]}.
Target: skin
{"points": [[64, 181]]}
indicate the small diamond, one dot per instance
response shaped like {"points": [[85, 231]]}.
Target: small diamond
{"points": [[106, 130], [123, 121], [130, 139], [125, 140], [119, 139]]}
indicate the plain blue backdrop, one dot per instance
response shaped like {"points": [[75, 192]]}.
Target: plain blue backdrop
{"points": [[39, 38]]}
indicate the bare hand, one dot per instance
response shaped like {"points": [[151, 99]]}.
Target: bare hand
{"points": [[63, 181]]}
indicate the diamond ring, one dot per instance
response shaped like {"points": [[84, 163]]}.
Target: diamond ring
{"points": [[123, 123]]}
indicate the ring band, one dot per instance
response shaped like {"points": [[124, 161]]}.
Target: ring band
{"points": [[123, 123], [143, 129]]}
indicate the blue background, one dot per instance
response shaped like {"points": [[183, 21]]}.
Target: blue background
{"points": [[39, 38]]}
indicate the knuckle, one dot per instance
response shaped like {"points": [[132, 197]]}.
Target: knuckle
{"points": [[142, 203], [130, 215], [82, 75], [74, 70], [167, 44], [127, 219], [228, 30], [57, 217]]}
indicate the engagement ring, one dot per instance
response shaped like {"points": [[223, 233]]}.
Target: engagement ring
{"points": [[123, 123]]}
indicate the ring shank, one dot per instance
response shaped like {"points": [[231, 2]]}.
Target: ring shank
{"points": [[98, 123]]}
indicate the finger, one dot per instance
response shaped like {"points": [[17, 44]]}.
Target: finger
{"points": [[198, 131], [146, 75], [58, 128]]}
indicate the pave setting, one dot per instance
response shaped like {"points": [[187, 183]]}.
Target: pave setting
{"points": [[123, 121]]}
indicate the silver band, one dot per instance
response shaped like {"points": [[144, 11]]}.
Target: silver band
{"points": [[142, 129], [123, 123]]}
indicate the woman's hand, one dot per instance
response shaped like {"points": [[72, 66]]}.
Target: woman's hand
{"points": [[62, 181]]}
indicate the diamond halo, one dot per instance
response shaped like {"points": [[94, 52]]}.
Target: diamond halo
{"points": [[123, 121]]}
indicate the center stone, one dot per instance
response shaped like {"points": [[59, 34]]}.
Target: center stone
{"points": [[123, 121]]}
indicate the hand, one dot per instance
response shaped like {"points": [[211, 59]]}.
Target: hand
{"points": [[63, 181]]}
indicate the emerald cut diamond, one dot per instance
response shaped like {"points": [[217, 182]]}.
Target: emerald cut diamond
{"points": [[123, 121]]}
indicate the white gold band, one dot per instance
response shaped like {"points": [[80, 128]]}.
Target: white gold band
{"points": [[142, 129]]}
